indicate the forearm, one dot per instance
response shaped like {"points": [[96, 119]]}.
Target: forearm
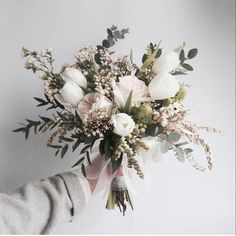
{"points": [[37, 208]]}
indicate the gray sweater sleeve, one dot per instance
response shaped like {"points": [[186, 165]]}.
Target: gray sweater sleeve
{"points": [[37, 208]]}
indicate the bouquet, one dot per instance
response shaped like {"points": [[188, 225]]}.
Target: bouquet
{"points": [[132, 114]]}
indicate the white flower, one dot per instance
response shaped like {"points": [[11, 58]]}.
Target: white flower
{"points": [[123, 88], [166, 63], [70, 94], [153, 154], [75, 75], [93, 102], [163, 86], [123, 124]]}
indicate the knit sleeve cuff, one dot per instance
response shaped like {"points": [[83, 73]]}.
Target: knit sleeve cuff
{"points": [[78, 190]]}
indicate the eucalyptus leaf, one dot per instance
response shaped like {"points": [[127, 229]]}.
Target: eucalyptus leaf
{"points": [[182, 56], [174, 137], [180, 155], [178, 73], [187, 67], [164, 146], [188, 150], [105, 43], [192, 53]]}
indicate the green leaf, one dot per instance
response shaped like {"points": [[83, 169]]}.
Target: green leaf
{"points": [[59, 104], [192, 53], [19, 130], [179, 73], [78, 162], [110, 34], [187, 67], [27, 132], [150, 58], [174, 137], [64, 150], [54, 146], [107, 147], [66, 139], [182, 56], [159, 52], [97, 58], [45, 119], [188, 150], [56, 153], [83, 170], [128, 103], [180, 155], [181, 144], [144, 58], [164, 146], [75, 146], [88, 158], [102, 147], [124, 31], [39, 100], [84, 149], [52, 107], [105, 43]]}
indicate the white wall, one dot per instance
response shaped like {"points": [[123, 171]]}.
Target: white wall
{"points": [[182, 200]]}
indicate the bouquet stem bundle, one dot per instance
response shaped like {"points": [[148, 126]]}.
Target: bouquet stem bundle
{"points": [[119, 195]]}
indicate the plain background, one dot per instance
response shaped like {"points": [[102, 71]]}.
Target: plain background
{"points": [[182, 200]]}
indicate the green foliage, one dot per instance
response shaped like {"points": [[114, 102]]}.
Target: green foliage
{"points": [[151, 56], [151, 48], [113, 35], [27, 127], [170, 141], [182, 57], [46, 102], [128, 104], [192, 53]]}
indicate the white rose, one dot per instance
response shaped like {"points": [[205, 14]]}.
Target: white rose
{"points": [[70, 94], [163, 86], [123, 124], [93, 102], [153, 154], [123, 88], [166, 63], [75, 75]]}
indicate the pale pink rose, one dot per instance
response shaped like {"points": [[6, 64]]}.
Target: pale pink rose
{"points": [[127, 84], [93, 102]]}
